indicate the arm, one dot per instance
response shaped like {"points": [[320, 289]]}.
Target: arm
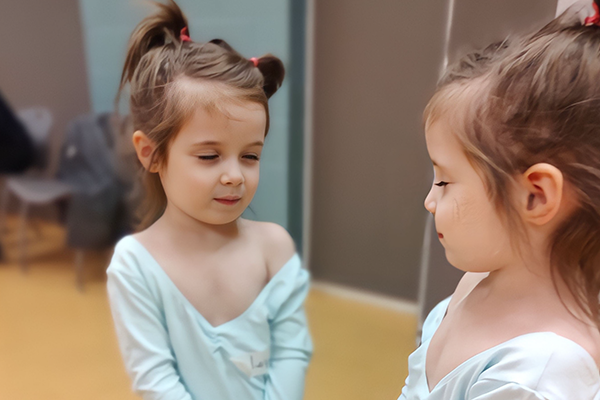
{"points": [[291, 346], [143, 337]]}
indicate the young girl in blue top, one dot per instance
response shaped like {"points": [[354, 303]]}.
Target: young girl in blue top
{"points": [[514, 136], [207, 305]]}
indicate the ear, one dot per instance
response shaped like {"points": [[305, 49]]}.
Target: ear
{"points": [[541, 193], [144, 147]]}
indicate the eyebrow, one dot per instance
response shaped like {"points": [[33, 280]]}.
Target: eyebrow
{"points": [[215, 143]]}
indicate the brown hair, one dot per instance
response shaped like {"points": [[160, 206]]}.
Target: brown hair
{"points": [[159, 65], [532, 100]]}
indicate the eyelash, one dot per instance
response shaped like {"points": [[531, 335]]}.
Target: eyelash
{"points": [[441, 184], [214, 157], [208, 158]]}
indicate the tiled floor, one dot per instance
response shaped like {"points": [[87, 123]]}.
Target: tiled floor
{"points": [[57, 343]]}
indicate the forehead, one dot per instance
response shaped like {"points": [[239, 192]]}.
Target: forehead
{"points": [[448, 117], [236, 122], [188, 95], [443, 145], [457, 102]]}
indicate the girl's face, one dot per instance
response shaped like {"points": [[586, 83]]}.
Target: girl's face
{"points": [[468, 225], [213, 163]]}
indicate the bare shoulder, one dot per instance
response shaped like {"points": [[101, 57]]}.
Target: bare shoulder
{"points": [[277, 244], [582, 331], [147, 237], [466, 285], [143, 238]]}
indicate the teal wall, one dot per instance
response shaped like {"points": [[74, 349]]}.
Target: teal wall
{"points": [[252, 27]]}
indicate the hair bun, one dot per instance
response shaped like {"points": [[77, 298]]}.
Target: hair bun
{"points": [[273, 72]]}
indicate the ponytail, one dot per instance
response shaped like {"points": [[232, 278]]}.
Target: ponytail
{"points": [[155, 31]]}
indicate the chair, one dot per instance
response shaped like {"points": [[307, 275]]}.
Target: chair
{"points": [[94, 174], [37, 122], [32, 188]]}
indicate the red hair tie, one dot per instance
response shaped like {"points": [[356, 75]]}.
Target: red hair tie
{"points": [[183, 35], [254, 61], [594, 19]]}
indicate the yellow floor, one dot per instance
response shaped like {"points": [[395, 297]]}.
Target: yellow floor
{"points": [[58, 343]]}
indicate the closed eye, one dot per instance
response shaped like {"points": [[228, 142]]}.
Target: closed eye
{"points": [[208, 158], [253, 157], [441, 184]]}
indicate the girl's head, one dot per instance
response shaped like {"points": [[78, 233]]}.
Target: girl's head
{"points": [[200, 116], [515, 131]]}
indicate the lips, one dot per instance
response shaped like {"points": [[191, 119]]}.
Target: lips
{"points": [[440, 235], [228, 200]]}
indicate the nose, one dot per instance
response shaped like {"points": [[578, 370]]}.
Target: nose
{"points": [[232, 175], [430, 202]]}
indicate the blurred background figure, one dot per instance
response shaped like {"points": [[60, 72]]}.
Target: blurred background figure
{"points": [[16, 147], [344, 169]]}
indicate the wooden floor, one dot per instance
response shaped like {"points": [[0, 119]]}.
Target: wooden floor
{"points": [[57, 343]]}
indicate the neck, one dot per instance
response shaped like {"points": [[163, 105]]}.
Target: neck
{"points": [[527, 276], [519, 280], [186, 231]]}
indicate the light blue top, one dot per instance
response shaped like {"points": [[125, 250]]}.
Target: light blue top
{"points": [[534, 366], [172, 353]]}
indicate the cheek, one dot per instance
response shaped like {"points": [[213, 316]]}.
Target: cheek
{"points": [[186, 176], [469, 211], [477, 240], [251, 177], [466, 219], [451, 212]]}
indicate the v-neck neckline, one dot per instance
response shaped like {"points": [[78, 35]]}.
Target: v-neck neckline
{"points": [[188, 304], [470, 359]]}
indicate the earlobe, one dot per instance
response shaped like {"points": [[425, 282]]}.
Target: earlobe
{"points": [[144, 148], [543, 187]]}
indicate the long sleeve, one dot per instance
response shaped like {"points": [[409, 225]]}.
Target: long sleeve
{"points": [[291, 345], [494, 390], [404, 389], [142, 334]]}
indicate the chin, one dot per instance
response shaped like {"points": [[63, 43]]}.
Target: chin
{"points": [[220, 219], [470, 265], [458, 262], [452, 261]]}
